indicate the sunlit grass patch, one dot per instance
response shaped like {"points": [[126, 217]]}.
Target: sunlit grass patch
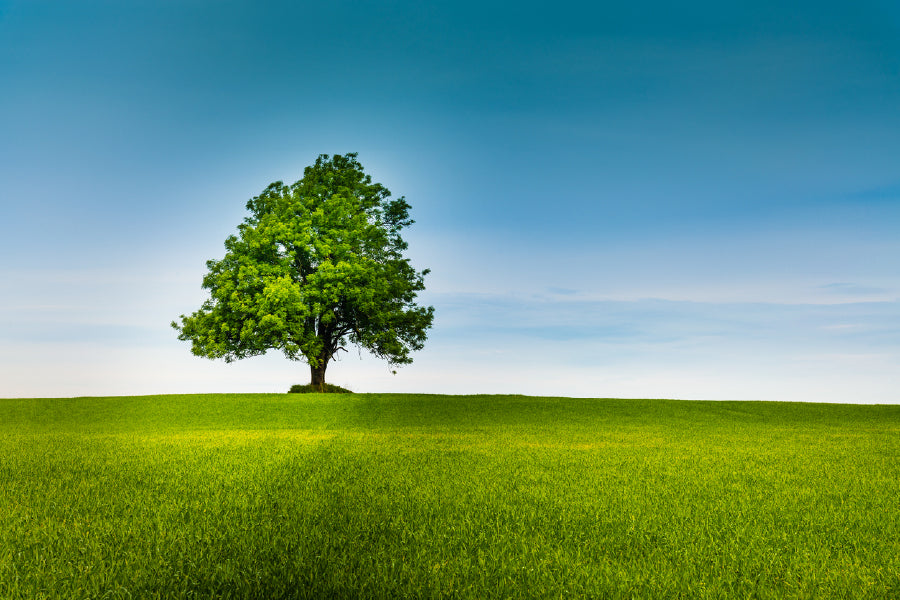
{"points": [[233, 437]]}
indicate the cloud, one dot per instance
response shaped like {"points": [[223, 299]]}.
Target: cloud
{"points": [[562, 291], [852, 289]]}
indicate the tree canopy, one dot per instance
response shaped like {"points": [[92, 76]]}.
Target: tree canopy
{"points": [[315, 266]]}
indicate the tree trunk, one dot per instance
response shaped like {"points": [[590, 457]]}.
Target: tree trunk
{"points": [[317, 376]]}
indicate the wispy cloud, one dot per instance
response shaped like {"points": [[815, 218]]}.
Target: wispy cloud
{"points": [[654, 319], [852, 289]]}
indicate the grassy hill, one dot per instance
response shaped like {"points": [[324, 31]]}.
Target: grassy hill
{"points": [[371, 496]]}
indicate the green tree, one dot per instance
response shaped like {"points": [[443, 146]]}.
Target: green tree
{"points": [[316, 265]]}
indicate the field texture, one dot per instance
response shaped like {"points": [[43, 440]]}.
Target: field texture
{"points": [[378, 496]]}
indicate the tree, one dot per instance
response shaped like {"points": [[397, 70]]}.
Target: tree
{"points": [[316, 265]]}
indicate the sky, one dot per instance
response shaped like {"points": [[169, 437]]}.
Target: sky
{"points": [[695, 200]]}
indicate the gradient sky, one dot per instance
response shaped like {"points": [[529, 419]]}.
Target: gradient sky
{"points": [[644, 199]]}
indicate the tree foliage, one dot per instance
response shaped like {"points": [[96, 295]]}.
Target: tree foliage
{"points": [[317, 265]]}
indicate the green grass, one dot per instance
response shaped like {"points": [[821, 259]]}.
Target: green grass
{"points": [[384, 496]]}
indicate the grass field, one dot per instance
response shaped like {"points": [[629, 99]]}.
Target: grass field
{"points": [[378, 496]]}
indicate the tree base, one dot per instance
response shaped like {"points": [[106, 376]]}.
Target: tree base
{"points": [[311, 389]]}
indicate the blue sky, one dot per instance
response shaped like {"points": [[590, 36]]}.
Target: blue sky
{"points": [[689, 200]]}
